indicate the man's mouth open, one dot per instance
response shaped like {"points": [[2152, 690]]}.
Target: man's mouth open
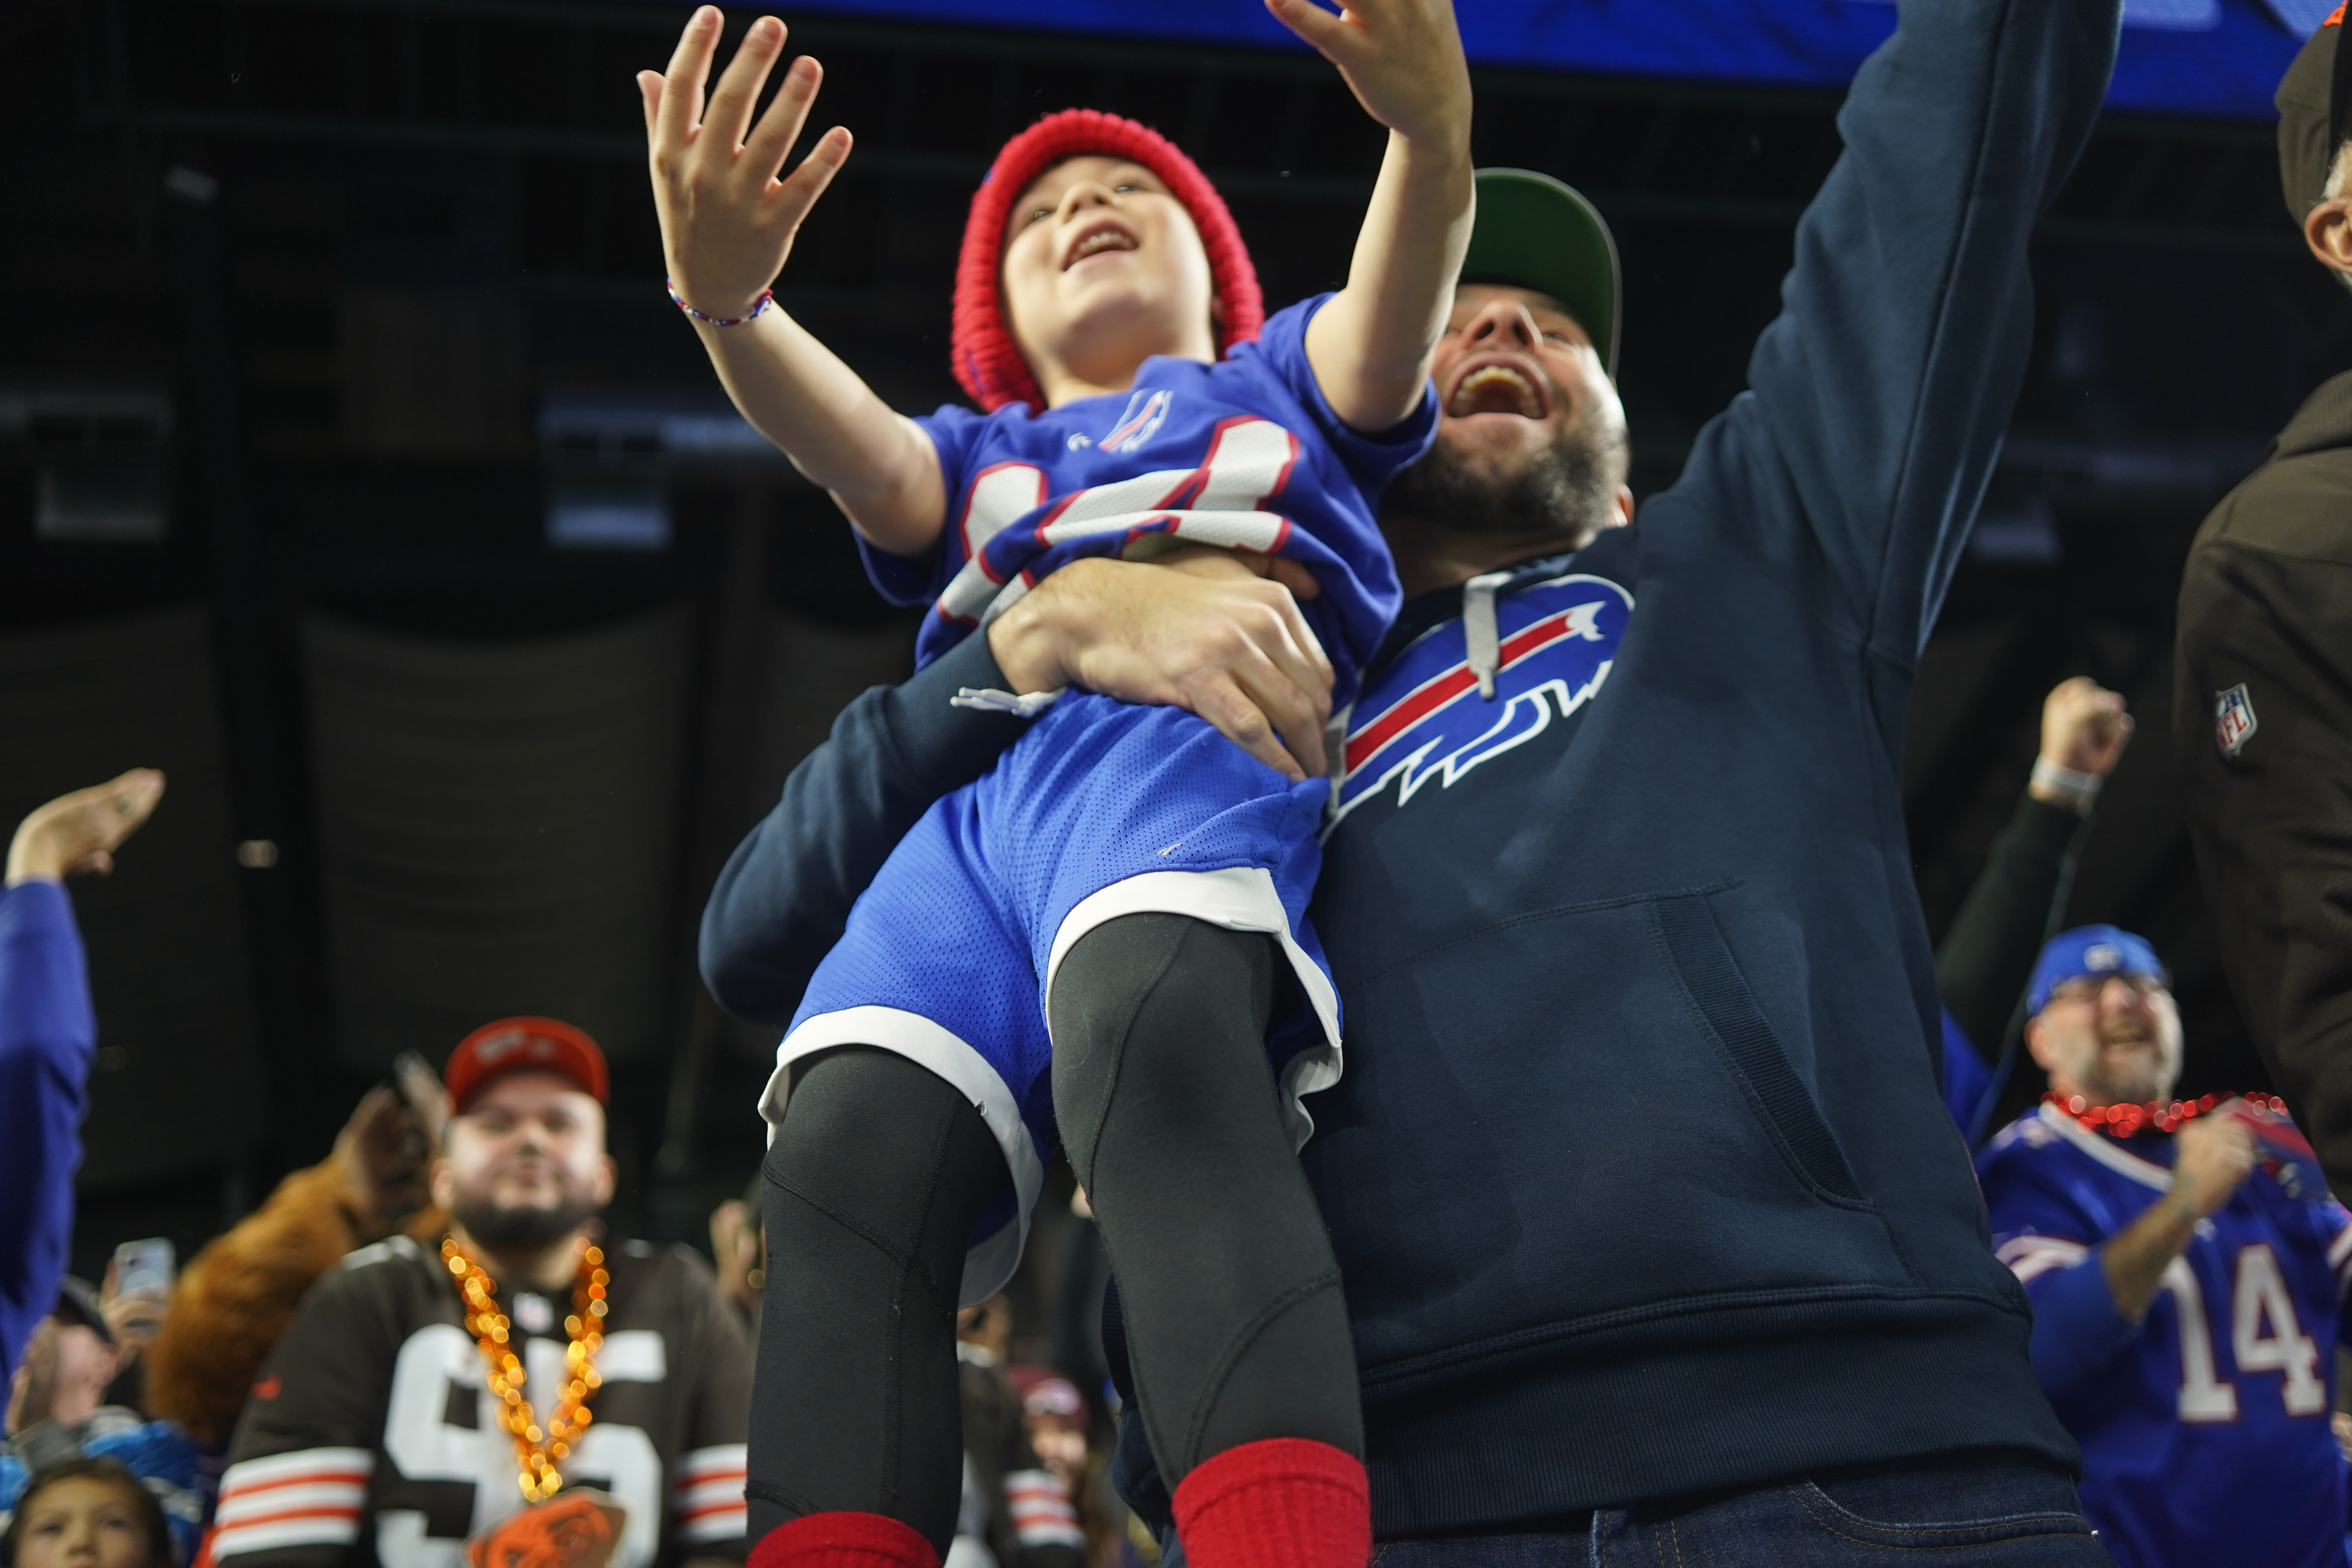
{"points": [[1096, 238], [1496, 386]]}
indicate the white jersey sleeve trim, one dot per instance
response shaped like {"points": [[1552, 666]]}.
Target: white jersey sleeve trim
{"points": [[1239, 898], [290, 1499], [239, 1540], [354, 1464], [1039, 1506], [708, 1496], [313, 1497], [718, 1461], [990, 1263]]}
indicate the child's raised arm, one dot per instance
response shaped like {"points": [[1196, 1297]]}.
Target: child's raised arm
{"points": [[1370, 346], [726, 225]]}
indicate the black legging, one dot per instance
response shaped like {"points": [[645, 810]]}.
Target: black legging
{"points": [[1234, 1316]]}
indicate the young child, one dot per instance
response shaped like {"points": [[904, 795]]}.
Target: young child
{"points": [[1126, 873], [87, 1513]]}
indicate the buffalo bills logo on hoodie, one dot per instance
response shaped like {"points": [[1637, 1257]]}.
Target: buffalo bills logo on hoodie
{"points": [[1426, 719]]}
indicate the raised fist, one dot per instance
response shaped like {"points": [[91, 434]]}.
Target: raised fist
{"points": [[2212, 1156], [2083, 727]]}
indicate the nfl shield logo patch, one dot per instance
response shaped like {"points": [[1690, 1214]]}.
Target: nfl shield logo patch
{"points": [[2233, 720]]}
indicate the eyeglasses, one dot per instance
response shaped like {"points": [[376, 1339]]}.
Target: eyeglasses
{"points": [[2089, 988]]}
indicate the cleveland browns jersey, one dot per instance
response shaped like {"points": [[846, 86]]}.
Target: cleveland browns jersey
{"points": [[366, 1439]]}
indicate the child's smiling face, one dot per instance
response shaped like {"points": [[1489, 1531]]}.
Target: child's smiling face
{"points": [[1102, 270]]}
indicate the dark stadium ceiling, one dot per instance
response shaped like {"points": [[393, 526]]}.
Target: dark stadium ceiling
{"points": [[532, 77]]}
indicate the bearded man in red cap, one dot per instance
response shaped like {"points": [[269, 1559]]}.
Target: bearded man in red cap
{"points": [[1123, 872], [619, 1370]]}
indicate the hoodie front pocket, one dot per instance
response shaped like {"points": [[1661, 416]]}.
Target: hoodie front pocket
{"points": [[1578, 1113], [1722, 1006]]}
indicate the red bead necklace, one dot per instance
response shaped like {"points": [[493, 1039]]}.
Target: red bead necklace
{"points": [[2164, 1115]]}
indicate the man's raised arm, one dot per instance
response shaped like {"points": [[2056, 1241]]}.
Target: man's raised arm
{"points": [[1882, 391], [1199, 631]]}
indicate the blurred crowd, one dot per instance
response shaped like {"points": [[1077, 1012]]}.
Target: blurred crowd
{"points": [[230, 1409]]}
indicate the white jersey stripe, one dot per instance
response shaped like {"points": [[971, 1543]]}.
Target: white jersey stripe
{"points": [[1217, 503], [2041, 1263], [1256, 530], [703, 1464], [1247, 462], [1000, 495], [255, 1503], [718, 1491], [2029, 1257], [302, 1463], [2105, 1150], [1145, 492], [717, 1524], [1039, 1506], [321, 1530]]}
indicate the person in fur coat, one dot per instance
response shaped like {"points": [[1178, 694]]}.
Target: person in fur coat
{"points": [[238, 1294]]}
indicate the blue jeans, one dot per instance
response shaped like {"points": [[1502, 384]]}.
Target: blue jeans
{"points": [[1995, 1515]]}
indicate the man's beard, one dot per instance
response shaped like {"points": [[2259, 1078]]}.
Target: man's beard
{"points": [[1569, 488], [504, 1230], [2133, 1081]]}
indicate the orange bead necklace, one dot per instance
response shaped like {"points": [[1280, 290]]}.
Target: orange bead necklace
{"points": [[539, 1449]]}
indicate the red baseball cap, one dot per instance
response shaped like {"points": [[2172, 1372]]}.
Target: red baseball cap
{"points": [[525, 1045]]}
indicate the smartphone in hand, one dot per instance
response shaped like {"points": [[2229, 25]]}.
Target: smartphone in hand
{"points": [[145, 1268]]}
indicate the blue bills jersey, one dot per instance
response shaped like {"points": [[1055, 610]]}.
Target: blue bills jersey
{"points": [[1241, 454], [1102, 810], [2205, 1430]]}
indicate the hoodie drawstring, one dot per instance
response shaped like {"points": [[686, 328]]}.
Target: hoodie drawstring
{"points": [[1478, 628]]}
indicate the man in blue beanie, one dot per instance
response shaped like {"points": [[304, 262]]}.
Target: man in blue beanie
{"points": [[2185, 1263]]}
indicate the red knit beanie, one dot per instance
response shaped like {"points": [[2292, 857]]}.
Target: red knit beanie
{"points": [[988, 363]]}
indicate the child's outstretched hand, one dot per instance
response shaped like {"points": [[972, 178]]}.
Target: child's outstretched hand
{"points": [[1402, 59], [727, 221]]}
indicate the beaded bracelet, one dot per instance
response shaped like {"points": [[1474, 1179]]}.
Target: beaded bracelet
{"points": [[767, 297]]}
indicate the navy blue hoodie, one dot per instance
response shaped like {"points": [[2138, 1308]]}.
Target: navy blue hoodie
{"points": [[1638, 1177]]}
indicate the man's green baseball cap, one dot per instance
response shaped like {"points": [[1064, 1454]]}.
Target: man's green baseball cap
{"points": [[1537, 233]]}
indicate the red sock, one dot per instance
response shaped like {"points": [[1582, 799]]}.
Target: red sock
{"points": [[1282, 1503], [842, 1540]]}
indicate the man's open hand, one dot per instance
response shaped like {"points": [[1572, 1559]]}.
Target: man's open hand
{"points": [[386, 1148], [1208, 631], [727, 221], [80, 832], [1402, 59]]}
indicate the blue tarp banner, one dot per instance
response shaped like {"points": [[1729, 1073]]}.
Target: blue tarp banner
{"points": [[2215, 57]]}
